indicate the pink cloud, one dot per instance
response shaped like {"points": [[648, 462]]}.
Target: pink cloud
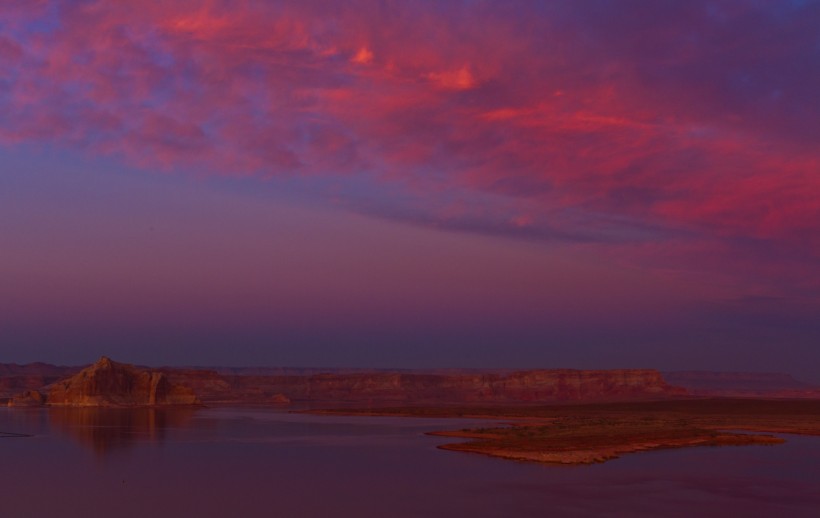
{"points": [[562, 123]]}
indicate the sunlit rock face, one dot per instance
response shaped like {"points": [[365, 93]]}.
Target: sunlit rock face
{"points": [[108, 383]]}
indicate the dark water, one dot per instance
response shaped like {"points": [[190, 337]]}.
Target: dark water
{"points": [[263, 463]]}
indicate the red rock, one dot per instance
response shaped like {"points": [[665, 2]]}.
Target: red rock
{"points": [[125, 385], [427, 388], [108, 383]]}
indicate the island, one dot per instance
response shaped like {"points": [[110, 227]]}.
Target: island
{"points": [[591, 433]]}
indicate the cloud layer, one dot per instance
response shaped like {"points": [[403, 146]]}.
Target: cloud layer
{"points": [[680, 136]]}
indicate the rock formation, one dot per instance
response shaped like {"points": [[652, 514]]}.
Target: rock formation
{"points": [[380, 387], [108, 383]]}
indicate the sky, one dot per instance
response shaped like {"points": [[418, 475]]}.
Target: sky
{"points": [[414, 184]]}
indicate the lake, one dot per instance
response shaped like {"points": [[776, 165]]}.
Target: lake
{"points": [[248, 462]]}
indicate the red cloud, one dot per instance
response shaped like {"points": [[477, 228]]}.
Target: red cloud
{"points": [[556, 123]]}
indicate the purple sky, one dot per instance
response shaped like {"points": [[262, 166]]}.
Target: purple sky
{"points": [[419, 184]]}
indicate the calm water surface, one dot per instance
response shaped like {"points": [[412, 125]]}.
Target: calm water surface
{"points": [[265, 463]]}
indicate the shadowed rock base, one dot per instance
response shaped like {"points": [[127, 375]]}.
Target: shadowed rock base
{"points": [[29, 398]]}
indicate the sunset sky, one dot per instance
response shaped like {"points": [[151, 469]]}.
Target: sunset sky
{"points": [[590, 184]]}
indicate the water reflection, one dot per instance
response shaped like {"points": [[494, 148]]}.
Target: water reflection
{"points": [[106, 430], [260, 463]]}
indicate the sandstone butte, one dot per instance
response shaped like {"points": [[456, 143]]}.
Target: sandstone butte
{"points": [[110, 384]]}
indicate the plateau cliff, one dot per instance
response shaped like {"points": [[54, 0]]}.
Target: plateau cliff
{"points": [[108, 383], [380, 387]]}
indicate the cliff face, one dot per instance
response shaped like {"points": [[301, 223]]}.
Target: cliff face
{"points": [[108, 383], [521, 386], [419, 388], [743, 384]]}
